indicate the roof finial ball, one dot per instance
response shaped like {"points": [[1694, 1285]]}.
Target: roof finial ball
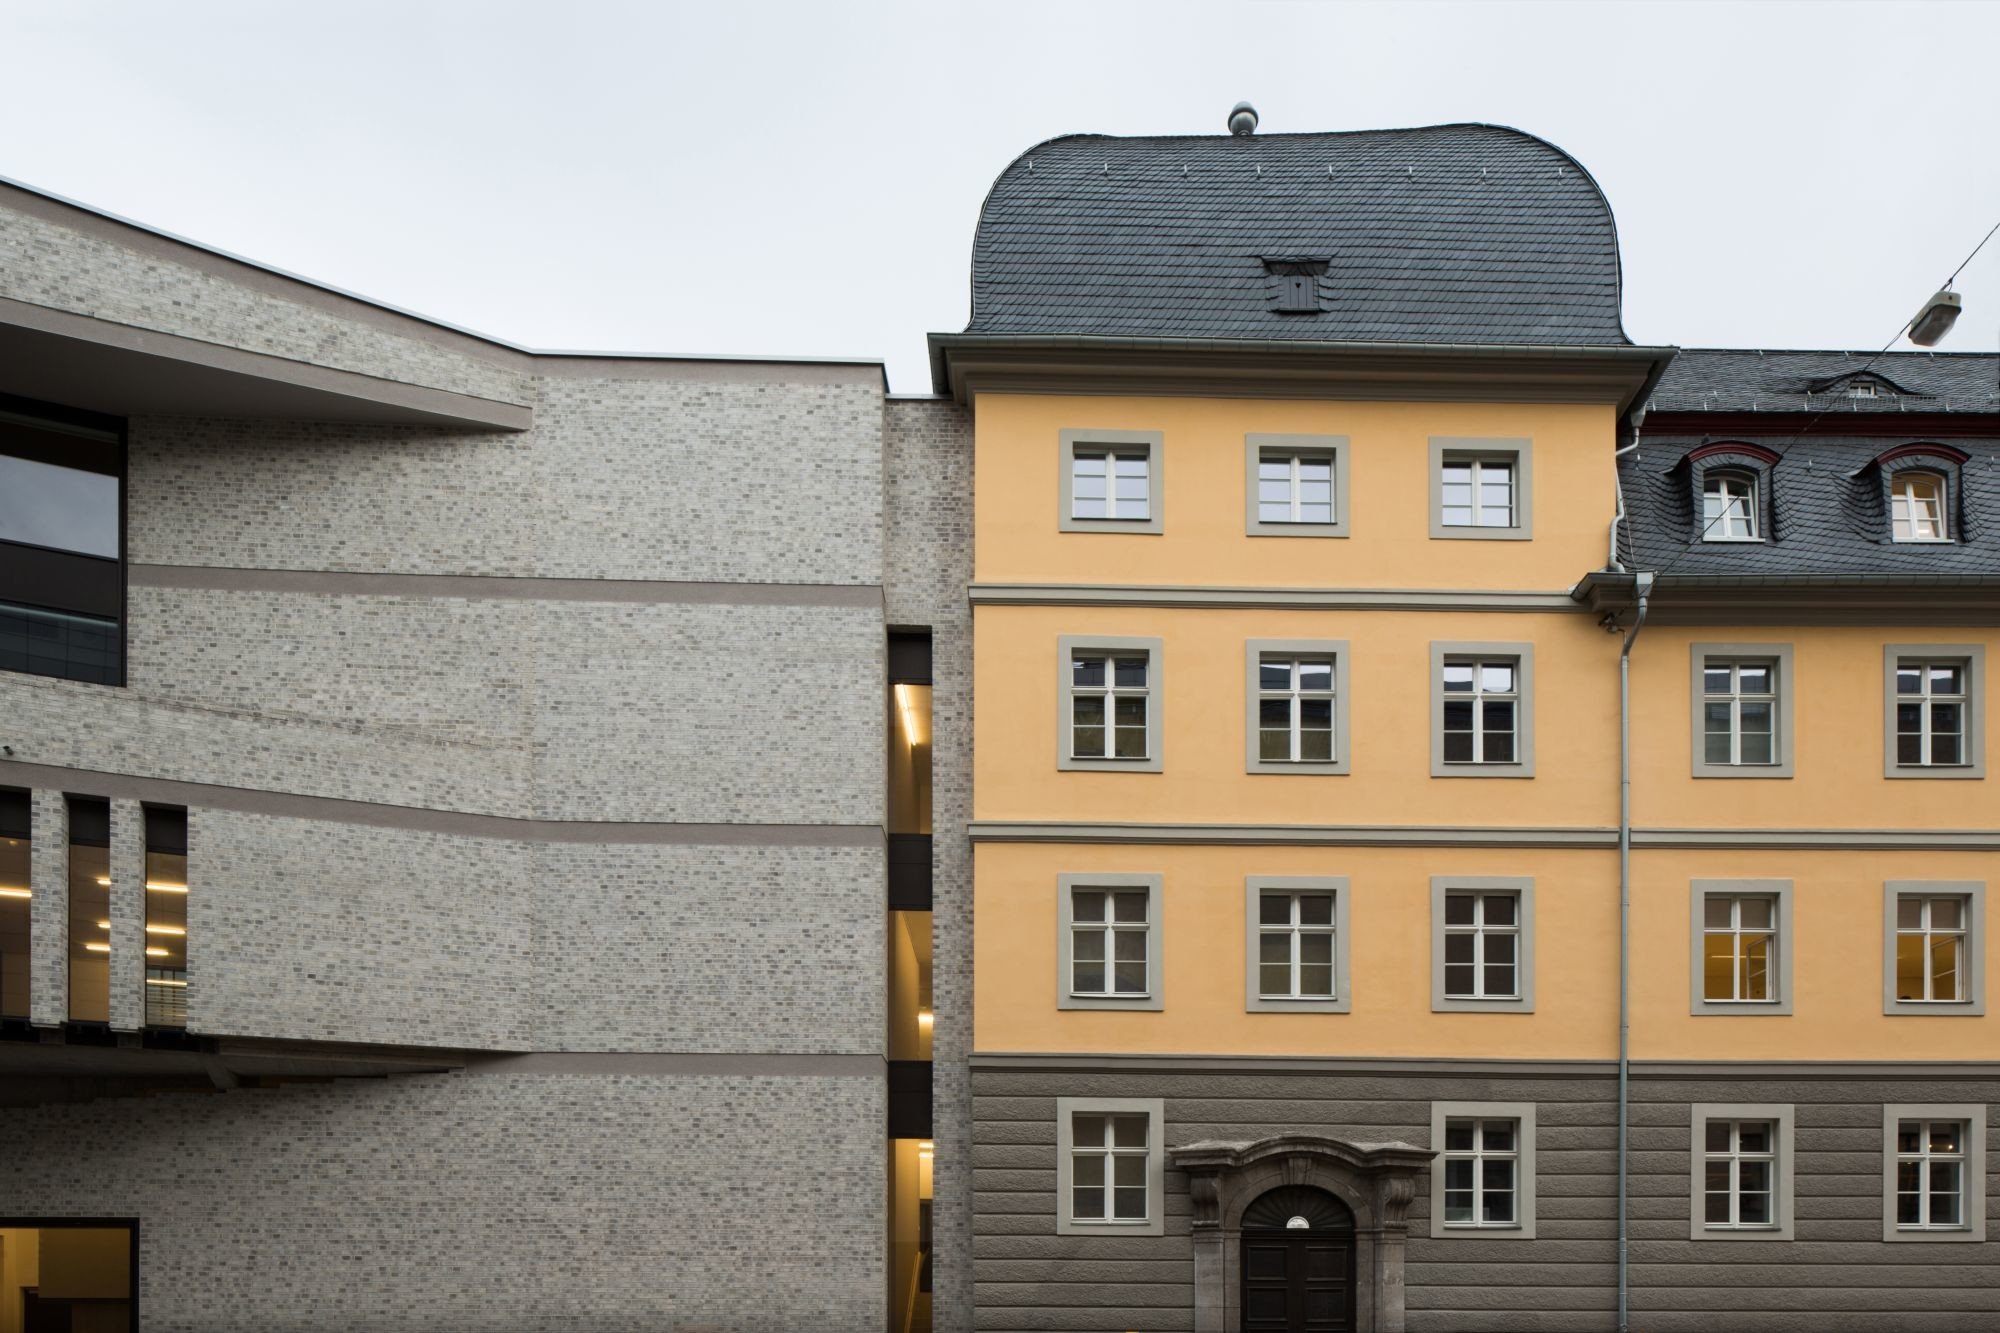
{"points": [[1243, 120]]}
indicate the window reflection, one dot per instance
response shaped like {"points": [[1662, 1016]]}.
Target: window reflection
{"points": [[89, 911]]}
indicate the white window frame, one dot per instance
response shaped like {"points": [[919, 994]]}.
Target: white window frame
{"points": [[1783, 1170], [1522, 889], [1068, 648], [1972, 954], [1970, 658], [1523, 1116], [1972, 1175], [1066, 925], [1751, 486], [1779, 657], [1901, 498], [1517, 455], [1521, 656], [1779, 891], [1254, 653], [1332, 448], [1254, 1000], [1067, 1109], [1149, 442]]}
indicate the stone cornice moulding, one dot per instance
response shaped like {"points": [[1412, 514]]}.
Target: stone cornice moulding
{"points": [[1442, 835], [1272, 599]]}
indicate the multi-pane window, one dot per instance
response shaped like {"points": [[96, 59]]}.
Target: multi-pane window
{"points": [[1482, 945], [62, 579], [1295, 946], [1916, 507], [1739, 711], [1930, 948], [1481, 1172], [1295, 709], [1930, 1175], [1109, 699], [1477, 492], [1109, 1165], [1728, 507], [1482, 710], [1739, 1174], [1739, 948], [1930, 713], [166, 916], [1110, 938], [1110, 483], [1294, 487]]}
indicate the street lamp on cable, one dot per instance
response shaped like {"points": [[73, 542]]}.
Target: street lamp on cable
{"points": [[1935, 320]]}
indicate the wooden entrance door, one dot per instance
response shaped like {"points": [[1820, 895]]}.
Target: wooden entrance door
{"points": [[1296, 1282]]}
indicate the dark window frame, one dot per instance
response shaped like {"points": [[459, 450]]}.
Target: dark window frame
{"points": [[130, 1225], [69, 582]]}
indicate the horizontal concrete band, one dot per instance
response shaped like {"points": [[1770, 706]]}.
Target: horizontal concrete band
{"points": [[1420, 1067], [649, 1064], [167, 791], [1269, 599], [502, 587], [1444, 835]]}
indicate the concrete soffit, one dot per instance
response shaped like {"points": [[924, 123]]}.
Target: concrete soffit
{"points": [[1800, 599], [965, 365]]}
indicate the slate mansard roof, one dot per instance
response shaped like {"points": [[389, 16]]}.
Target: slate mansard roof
{"points": [[1451, 234], [1824, 509]]}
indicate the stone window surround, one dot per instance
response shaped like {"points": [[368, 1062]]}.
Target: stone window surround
{"points": [[1154, 998], [1253, 652], [1524, 720], [1453, 447], [1780, 893], [1974, 1179], [1973, 964], [1523, 1114], [1155, 1109], [1343, 983], [1523, 886], [1333, 447], [1781, 655], [1155, 444], [1974, 657], [1700, 1113], [1067, 646]]}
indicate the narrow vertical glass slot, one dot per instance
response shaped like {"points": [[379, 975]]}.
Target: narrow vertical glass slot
{"points": [[89, 912], [910, 1235], [910, 1019], [166, 917], [910, 759], [16, 903]]}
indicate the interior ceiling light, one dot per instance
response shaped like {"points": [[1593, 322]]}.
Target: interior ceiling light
{"points": [[9, 891], [157, 887], [163, 981], [155, 951], [1935, 319], [104, 879], [166, 930], [96, 947]]}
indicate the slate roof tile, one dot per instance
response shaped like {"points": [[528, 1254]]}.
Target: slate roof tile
{"points": [[1448, 234]]}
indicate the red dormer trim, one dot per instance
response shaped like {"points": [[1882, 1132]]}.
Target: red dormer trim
{"points": [[1923, 451], [1768, 457]]}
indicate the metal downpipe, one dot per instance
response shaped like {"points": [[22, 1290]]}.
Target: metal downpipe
{"points": [[1642, 585]]}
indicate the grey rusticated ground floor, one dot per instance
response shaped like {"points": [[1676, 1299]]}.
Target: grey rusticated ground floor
{"points": [[1835, 1273]]}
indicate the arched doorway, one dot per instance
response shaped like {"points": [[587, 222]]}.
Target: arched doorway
{"points": [[1298, 1263]]}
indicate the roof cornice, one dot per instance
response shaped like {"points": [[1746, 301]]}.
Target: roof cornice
{"points": [[964, 365], [1800, 599]]}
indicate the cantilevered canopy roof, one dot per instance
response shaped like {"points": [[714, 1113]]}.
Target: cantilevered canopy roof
{"points": [[1468, 235]]}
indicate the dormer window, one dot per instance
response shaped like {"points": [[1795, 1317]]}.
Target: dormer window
{"points": [[1729, 507], [1291, 283], [1917, 510], [1861, 389]]}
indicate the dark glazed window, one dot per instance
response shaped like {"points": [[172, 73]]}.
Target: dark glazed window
{"points": [[62, 582], [16, 895]]}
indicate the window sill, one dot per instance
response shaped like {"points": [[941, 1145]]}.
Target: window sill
{"points": [[1296, 530], [1935, 772], [1472, 768], [1742, 771], [1128, 1003], [1441, 533], [1299, 767]]}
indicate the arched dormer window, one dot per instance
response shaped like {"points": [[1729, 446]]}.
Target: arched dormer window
{"points": [[1729, 487], [1919, 484], [1728, 506], [1917, 509]]}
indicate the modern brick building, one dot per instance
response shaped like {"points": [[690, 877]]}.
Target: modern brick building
{"points": [[489, 839]]}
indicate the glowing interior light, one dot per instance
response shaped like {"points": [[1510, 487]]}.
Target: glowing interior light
{"points": [[157, 887], [925, 1018], [155, 951], [96, 947], [104, 879], [163, 981], [166, 930], [9, 891]]}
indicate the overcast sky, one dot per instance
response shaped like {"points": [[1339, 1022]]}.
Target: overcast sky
{"points": [[803, 178]]}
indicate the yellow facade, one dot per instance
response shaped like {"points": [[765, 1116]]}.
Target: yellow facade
{"points": [[1837, 684]]}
